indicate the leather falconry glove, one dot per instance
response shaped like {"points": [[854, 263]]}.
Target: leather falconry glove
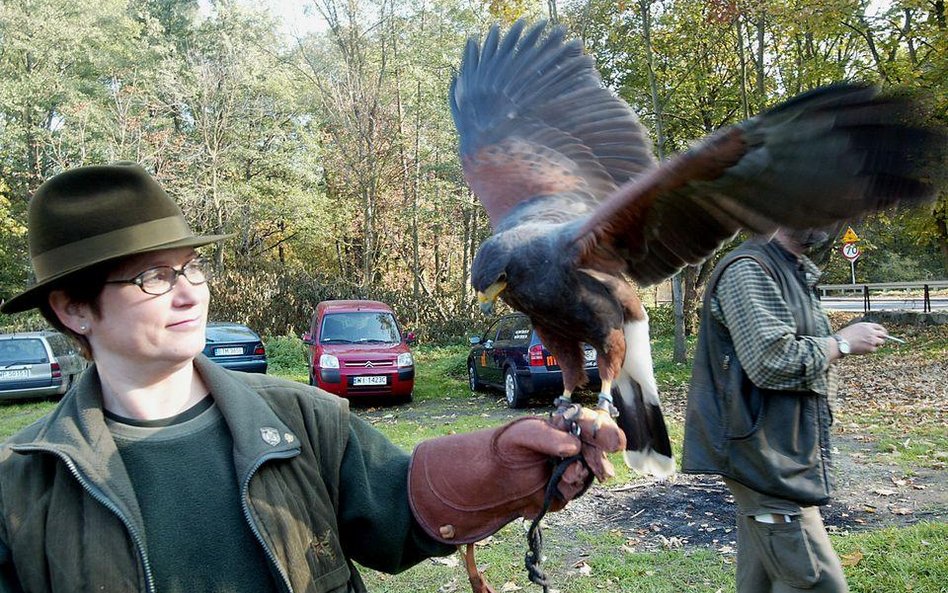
{"points": [[465, 487]]}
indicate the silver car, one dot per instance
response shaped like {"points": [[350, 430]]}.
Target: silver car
{"points": [[37, 364]]}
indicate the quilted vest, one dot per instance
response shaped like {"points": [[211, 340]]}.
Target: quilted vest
{"points": [[775, 442]]}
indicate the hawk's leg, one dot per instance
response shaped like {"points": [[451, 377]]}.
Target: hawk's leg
{"points": [[571, 360], [610, 360]]}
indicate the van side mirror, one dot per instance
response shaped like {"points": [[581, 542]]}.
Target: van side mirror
{"points": [[410, 338], [307, 338]]}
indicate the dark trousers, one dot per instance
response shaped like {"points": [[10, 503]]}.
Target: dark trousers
{"points": [[783, 557]]}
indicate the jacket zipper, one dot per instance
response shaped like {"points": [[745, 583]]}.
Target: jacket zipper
{"points": [[244, 496], [96, 493]]}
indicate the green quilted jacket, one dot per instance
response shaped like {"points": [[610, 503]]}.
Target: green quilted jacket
{"points": [[319, 489]]}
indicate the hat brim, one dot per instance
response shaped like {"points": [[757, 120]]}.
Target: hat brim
{"points": [[35, 295]]}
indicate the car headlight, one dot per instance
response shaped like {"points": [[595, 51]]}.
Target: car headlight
{"points": [[328, 361], [405, 360]]}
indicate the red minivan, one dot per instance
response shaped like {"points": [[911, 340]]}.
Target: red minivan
{"points": [[356, 348]]}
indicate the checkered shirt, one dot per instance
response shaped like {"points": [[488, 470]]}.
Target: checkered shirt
{"points": [[749, 303]]}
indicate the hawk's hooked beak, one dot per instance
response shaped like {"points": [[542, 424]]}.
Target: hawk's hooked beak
{"points": [[489, 297]]}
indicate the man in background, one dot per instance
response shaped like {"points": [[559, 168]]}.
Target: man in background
{"points": [[760, 408]]}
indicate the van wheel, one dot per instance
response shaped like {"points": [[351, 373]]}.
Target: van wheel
{"points": [[515, 396], [473, 382]]}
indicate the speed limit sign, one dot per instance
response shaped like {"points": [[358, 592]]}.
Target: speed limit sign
{"points": [[851, 251]]}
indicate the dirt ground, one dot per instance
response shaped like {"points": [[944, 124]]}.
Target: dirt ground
{"points": [[698, 511]]}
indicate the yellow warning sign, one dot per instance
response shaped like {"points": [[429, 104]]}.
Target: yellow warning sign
{"points": [[850, 236]]}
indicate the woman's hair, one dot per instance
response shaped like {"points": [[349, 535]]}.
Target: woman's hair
{"points": [[84, 288]]}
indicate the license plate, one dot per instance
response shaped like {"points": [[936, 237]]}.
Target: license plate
{"points": [[370, 380], [15, 374], [228, 351]]}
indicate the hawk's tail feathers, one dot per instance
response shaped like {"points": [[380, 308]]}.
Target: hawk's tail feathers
{"points": [[648, 448]]}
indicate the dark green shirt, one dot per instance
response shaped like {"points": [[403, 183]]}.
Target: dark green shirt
{"points": [[183, 474]]}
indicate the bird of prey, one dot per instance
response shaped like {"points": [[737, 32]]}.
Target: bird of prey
{"points": [[581, 211]]}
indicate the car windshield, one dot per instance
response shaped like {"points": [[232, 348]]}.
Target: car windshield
{"points": [[26, 351], [359, 328]]}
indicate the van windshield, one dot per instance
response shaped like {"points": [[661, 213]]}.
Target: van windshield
{"points": [[359, 328], [22, 351]]}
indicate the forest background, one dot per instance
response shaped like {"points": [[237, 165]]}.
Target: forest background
{"points": [[331, 155]]}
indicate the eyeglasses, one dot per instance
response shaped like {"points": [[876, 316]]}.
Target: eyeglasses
{"points": [[161, 279]]}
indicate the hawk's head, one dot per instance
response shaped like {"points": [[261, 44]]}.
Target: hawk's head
{"points": [[489, 271]]}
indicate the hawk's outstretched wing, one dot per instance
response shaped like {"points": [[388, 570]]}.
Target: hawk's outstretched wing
{"points": [[832, 154], [536, 125], [543, 140]]}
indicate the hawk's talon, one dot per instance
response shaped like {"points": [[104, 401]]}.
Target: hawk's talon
{"points": [[570, 412], [606, 406]]}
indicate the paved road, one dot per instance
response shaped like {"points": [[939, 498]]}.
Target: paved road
{"points": [[883, 303]]}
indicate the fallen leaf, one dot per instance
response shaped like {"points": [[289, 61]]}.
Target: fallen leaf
{"points": [[511, 586], [851, 559], [902, 511], [451, 561], [449, 587], [883, 492]]}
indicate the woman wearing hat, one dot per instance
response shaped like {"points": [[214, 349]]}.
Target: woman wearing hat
{"points": [[160, 471]]}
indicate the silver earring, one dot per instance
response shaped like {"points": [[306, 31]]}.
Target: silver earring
{"points": [[82, 328]]}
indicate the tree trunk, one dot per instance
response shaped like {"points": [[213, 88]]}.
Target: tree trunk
{"points": [[416, 189], [941, 223], [680, 354], [745, 105], [759, 60]]}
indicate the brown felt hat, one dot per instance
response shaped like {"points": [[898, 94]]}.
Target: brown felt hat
{"points": [[89, 215]]}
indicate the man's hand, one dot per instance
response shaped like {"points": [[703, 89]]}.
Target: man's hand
{"points": [[863, 337]]}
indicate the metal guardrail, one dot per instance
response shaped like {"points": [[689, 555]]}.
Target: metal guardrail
{"points": [[926, 286]]}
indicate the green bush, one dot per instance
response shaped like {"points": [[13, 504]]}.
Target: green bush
{"points": [[286, 354], [277, 301], [21, 322], [661, 320]]}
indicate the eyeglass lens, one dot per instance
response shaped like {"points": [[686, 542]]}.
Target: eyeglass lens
{"points": [[161, 279]]}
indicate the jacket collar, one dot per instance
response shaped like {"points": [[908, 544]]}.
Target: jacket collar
{"points": [[76, 430], [256, 429]]}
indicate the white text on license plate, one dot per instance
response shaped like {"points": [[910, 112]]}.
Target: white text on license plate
{"points": [[370, 380], [590, 356], [17, 374], [228, 351]]}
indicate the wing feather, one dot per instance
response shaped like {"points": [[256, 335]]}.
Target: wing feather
{"points": [[829, 155], [535, 122]]}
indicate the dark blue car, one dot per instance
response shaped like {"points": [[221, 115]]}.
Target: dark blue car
{"points": [[510, 356], [235, 346]]}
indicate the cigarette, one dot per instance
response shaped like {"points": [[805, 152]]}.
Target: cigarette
{"points": [[894, 339]]}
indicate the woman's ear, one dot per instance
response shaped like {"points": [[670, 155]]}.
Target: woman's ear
{"points": [[75, 316]]}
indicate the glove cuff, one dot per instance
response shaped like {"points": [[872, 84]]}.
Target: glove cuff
{"points": [[461, 488]]}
